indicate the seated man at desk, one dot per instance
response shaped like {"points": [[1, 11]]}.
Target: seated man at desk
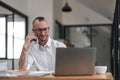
{"points": [[39, 48]]}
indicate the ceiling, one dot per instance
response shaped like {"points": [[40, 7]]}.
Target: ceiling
{"points": [[104, 7]]}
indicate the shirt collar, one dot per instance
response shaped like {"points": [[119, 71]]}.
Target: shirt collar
{"points": [[49, 42]]}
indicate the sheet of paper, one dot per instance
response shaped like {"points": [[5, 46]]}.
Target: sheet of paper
{"points": [[39, 73], [8, 75], [14, 73]]}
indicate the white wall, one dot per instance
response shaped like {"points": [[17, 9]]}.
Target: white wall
{"points": [[57, 10], [82, 15], [41, 8]]}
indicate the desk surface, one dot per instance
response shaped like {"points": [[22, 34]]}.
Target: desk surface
{"points": [[107, 76]]}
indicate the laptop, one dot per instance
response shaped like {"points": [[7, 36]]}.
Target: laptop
{"points": [[75, 61]]}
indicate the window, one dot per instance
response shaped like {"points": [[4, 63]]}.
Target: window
{"points": [[13, 26], [2, 37]]}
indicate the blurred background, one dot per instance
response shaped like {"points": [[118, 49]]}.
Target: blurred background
{"points": [[77, 23]]}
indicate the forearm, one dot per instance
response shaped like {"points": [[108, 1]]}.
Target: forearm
{"points": [[23, 63], [23, 60]]}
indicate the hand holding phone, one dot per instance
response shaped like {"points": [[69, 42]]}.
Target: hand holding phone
{"points": [[31, 37], [34, 38]]}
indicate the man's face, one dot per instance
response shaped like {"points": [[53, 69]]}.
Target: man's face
{"points": [[41, 30]]}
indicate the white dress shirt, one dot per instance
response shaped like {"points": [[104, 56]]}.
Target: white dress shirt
{"points": [[43, 56]]}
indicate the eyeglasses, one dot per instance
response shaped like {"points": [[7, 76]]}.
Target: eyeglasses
{"points": [[40, 29]]}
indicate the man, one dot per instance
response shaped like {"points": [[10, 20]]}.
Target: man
{"points": [[39, 48]]}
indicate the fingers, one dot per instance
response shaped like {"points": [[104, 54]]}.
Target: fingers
{"points": [[31, 36]]}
